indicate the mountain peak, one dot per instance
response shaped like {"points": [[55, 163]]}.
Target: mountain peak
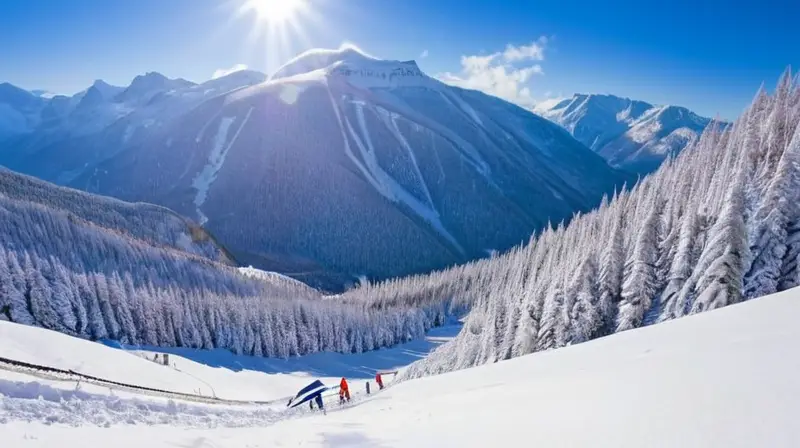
{"points": [[350, 66], [355, 67], [148, 81], [630, 134], [145, 86], [319, 58], [17, 97]]}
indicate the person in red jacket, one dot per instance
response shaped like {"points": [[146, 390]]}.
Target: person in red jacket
{"points": [[379, 380], [344, 391]]}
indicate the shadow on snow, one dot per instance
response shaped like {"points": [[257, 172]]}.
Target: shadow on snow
{"points": [[323, 364]]}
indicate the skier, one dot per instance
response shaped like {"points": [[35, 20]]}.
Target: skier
{"points": [[311, 393], [379, 380], [344, 391], [320, 404]]}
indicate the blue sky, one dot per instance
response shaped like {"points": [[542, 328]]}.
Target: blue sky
{"points": [[710, 55]]}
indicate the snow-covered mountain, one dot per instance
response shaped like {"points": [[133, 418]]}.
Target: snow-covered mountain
{"points": [[65, 136], [629, 134], [347, 165]]}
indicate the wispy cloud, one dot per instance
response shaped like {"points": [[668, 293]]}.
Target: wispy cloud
{"points": [[220, 72], [532, 52], [506, 74], [424, 54]]}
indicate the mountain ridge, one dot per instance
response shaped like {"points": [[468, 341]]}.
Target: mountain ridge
{"points": [[630, 134]]}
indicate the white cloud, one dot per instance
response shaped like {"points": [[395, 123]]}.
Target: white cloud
{"points": [[505, 74], [533, 52], [424, 54], [220, 72]]}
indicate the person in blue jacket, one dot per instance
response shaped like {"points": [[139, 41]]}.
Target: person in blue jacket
{"points": [[311, 392]]}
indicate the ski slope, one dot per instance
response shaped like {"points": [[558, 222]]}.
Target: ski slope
{"points": [[209, 373], [725, 378]]}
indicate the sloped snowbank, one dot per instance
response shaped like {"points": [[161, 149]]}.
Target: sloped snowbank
{"points": [[725, 378], [43, 347], [209, 373]]}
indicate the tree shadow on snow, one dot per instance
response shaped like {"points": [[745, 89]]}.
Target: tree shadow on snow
{"points": [[325, 364]]}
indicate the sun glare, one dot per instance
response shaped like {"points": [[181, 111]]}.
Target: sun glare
{"points": [[278, 28], [275, 11]]}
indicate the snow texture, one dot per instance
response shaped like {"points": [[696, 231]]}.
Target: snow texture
{"points": [[627, 390]]}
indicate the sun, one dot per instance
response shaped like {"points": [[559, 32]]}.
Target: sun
{"points": [[275, 11], [278, 29]]}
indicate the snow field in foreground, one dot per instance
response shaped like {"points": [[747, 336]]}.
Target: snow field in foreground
{"points": [[725, 378], [53, 401]]}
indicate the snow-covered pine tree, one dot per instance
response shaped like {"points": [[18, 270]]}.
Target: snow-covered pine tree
{"points": [[682, 264], [790, 270], [777, 211], [639, 287], [585, 314], [720, 283], [612, 261], [12, 287]]}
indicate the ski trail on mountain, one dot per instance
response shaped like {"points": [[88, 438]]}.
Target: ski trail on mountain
{"points": [[216, 158], [385, 184]]}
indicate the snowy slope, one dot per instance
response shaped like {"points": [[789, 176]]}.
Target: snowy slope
{"points": [[148, 223], [344, 165], [209, 373], [726, 378], [44, 347], [630, 134]]}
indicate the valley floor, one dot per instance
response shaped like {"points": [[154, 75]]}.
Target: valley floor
{"points": [[726, 378]]}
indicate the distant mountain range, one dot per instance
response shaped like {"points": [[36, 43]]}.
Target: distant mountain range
{"points": [[629, 134], [341, 166], [59, 138]]}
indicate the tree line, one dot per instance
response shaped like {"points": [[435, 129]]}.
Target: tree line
{"points": [[716, 225]]}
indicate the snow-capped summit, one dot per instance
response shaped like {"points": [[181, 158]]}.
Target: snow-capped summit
{"points": [[320, 58], [145, 86], [96, 95], [107, 90], [630, 134], [351, 65], [231, 81]]}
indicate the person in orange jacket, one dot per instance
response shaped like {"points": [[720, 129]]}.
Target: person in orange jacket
{"points": [[344, 391], [379, 380]]}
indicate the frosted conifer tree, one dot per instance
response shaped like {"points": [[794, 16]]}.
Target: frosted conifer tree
{"points": [[610, 275], [682, 265], [721, 282], [585, 316], [777, 211], [639, 288]]}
